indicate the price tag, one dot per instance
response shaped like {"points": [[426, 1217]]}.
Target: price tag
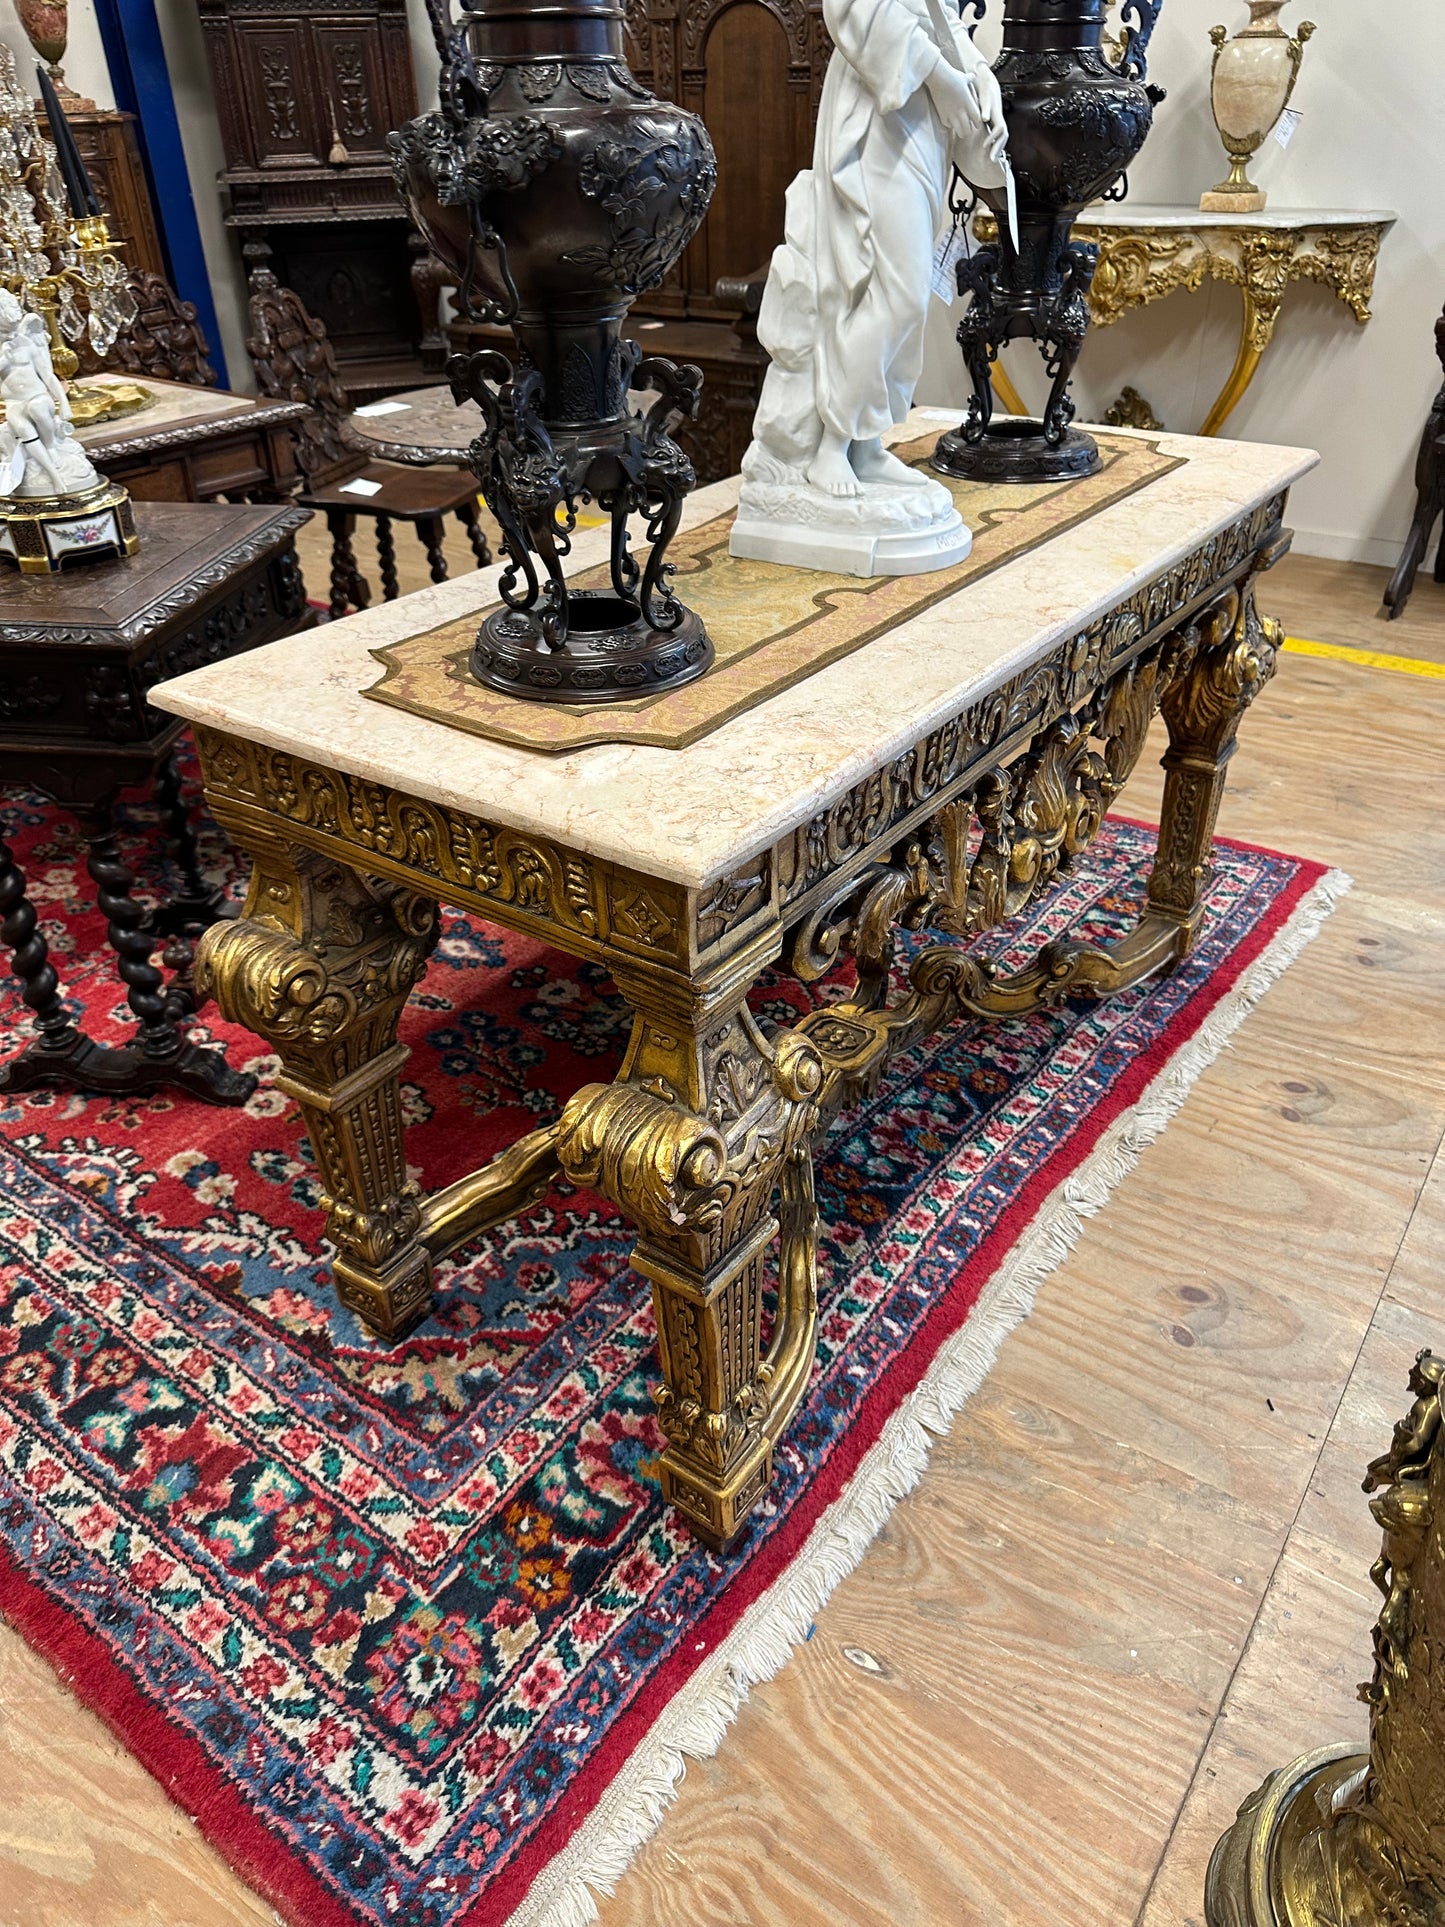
{"points": [[384, 408], [1288, 121], [946, 257], [360, 487]]}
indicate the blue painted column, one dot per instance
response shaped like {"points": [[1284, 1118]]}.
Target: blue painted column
{"points": [[136, 57]]}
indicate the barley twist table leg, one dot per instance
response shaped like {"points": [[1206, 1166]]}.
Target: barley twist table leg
{"points": [[707, 1122], [22, 936], [320, 965]]}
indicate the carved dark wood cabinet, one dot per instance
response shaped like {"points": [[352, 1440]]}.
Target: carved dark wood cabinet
{"points": [[108, 146], [306, 93]]}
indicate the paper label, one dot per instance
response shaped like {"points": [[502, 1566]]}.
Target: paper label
{"points": [[384, 408], [946, 257], [360, 487], [1288, 121]]}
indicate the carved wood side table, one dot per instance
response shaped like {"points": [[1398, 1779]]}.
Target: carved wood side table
{"points": [[1148, 252], [198, 445], [79, 653], [938, 776]]}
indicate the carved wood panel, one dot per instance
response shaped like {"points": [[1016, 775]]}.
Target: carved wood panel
{"points": [[293, 78]]}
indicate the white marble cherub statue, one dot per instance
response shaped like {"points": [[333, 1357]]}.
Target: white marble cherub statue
{"points": [[847, 295], [39, 455]]}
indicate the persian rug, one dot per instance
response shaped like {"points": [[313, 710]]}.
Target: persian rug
{"points": [[771, 626], [408, 1630]]}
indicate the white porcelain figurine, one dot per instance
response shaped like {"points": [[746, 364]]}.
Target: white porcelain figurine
{"points": [[907, 97], [55, 507], [39, 454]]}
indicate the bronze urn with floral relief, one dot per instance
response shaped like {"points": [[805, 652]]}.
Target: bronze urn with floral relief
{"points": [[556, 188], [1078, 113]]}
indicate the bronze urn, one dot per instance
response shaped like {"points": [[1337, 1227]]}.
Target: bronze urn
{"points": [[557, 188], [1076, 119]]}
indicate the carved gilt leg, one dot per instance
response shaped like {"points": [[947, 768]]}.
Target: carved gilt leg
{"points": [[1261, 294], [706, 1123], [320, 965], [1203, 709]]}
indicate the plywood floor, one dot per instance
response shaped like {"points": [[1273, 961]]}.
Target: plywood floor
{"points": [[1134, 1576]]}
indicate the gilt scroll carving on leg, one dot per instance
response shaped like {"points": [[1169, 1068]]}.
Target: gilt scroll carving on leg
{"points": [[707, 1123], [987, 853], [320, 966]]}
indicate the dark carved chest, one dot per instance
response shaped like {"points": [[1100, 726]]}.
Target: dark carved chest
{"points": [[306, 93]]}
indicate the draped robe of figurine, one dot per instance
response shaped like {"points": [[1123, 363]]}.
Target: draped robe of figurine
{"points": [[847, 295]]}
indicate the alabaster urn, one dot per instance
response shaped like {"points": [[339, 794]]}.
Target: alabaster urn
{"points": [[1253, 78]]}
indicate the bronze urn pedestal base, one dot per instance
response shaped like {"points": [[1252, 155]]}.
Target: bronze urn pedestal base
{"points": [[611, 652], [1016, 448]]}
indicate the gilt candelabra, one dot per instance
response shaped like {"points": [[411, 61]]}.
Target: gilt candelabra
{"points": [[56, 253], [1341, 1838]]}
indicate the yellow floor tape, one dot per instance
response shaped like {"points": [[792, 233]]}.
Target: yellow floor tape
{"points": [[1366, 658]]}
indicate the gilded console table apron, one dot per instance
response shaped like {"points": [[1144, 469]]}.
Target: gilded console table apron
{"points": [[937, 778]]}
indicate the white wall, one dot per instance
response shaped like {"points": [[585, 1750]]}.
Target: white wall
{"points": [[1372, 135], [84, 63]]}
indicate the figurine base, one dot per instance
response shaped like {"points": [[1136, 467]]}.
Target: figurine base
{"points": [[42, 534], [812, 545], [1220, 200], [1014, 448], [612, 653]]}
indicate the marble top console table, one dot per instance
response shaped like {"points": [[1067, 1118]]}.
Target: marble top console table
{"points": [[940, 774]]}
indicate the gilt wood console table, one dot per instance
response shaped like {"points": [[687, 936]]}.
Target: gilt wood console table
{"points": [[1147, 252], [938, 775]]}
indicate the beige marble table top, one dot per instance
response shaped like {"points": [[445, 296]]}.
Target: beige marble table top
{"points": [[423, 425], [174, 401], [1139, 214], [691, 814]]}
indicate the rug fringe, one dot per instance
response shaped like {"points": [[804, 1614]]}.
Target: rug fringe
{"points": [[761, 1643]]}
